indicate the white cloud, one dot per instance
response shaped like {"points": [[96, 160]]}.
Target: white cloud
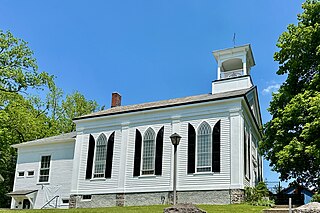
{"points": [[270, 89]]}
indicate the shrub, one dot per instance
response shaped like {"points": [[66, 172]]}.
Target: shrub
{"points": [[258, 196], [316, 198]]}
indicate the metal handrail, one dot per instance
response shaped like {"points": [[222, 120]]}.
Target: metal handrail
{"points": [[55, 197]]}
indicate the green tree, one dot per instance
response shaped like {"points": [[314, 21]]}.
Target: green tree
{"points": [[24, 116], [19, 120], [292, 138], [74, 106], [18, 67]]}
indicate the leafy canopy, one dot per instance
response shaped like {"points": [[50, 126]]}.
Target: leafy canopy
{"points": [[25, 116], [292, 138], [18, 67]]}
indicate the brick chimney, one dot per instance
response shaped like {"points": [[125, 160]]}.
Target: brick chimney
{"points": [[116, 99]]}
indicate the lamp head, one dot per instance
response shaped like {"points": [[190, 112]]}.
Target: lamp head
{"points": [[175, 139]]}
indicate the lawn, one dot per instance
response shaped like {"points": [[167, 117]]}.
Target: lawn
{"points": [[236, 208]]}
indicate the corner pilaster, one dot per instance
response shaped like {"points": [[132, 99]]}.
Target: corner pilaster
{"points": [[123, 155], [236, 129]]}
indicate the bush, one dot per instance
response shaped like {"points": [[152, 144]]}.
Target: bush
{"points": [[316, 198], [258, 196]]}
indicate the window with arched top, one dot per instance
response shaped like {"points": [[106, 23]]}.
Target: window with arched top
{"points": [[204, 148], [100, 157], [148, 152]]}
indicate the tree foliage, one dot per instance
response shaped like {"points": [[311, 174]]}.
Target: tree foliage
{"points": [[25, 116], [74, 106], [316, 198], [18, 67], [292, 138]]}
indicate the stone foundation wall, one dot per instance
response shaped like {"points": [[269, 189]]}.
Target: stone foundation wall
{"points": [[157, 198], [103, 200], [237, 195], [143, 199], [204, 197]]}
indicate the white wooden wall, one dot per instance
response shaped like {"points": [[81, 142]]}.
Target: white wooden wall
{"points": [[69, 159], [29, 159], [174, 120]]}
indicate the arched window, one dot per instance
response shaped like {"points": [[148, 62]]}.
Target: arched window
{"points": [[100, 158], [204, 148], [148, 149]]}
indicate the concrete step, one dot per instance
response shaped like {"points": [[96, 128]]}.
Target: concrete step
{"points": [[284, 206], [277, 210]]}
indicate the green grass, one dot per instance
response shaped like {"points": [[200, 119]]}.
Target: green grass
{"points": [[236, 208]]}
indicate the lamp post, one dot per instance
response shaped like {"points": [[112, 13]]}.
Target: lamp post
{"points": [[175, 139]]}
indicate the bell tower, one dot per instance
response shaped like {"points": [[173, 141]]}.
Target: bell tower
{"points": [[234, 66]]}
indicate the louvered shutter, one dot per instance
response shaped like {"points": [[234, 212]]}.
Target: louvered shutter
{"points": [[191, 149], [245, 152], [109, 154], [216, 141], [249, 155], [137, 154], [90, 157], [159, 151]]}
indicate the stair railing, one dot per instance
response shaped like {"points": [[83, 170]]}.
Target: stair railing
{"points": [[55, 197]]}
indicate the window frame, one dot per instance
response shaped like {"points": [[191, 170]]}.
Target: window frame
{"points": [[197, 147], [86, 199], [20, 172], [41, 169], [154, 153], [94, 157], [30, 176], [63, 203]]}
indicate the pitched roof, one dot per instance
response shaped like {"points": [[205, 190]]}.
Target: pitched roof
{"points": [[54, 139], [295, 185], [167, 103]]}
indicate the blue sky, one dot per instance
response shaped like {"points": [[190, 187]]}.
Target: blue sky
{"points": [[149, 50]]}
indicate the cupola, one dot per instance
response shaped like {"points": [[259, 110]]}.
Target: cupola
{"points": [[234, 66]]}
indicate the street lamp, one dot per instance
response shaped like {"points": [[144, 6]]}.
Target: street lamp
{"points": [[175, 139]]}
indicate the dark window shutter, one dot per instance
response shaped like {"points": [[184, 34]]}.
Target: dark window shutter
{"points": [[258, 161], [245, 152], [90, 157], [159, 151], [216, 141], [249, 155], [137, 154], [191, 149], [109, 154]]}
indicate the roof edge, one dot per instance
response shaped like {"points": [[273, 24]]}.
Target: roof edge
{"points": [[158, 107], [39, 143], [21, 192]]}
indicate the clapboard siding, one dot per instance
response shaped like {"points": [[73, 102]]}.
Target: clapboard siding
{"points": [[60, 170], [102, 185], [156, 119], [146, 183], [210, 180]]}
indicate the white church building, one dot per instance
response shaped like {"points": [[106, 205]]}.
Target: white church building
{"points": [[123, 156]]}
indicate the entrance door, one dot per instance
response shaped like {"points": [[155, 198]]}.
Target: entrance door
{"points": [[26, 204]]}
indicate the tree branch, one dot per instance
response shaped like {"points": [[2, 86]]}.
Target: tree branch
{"points": [[21, 136]]}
